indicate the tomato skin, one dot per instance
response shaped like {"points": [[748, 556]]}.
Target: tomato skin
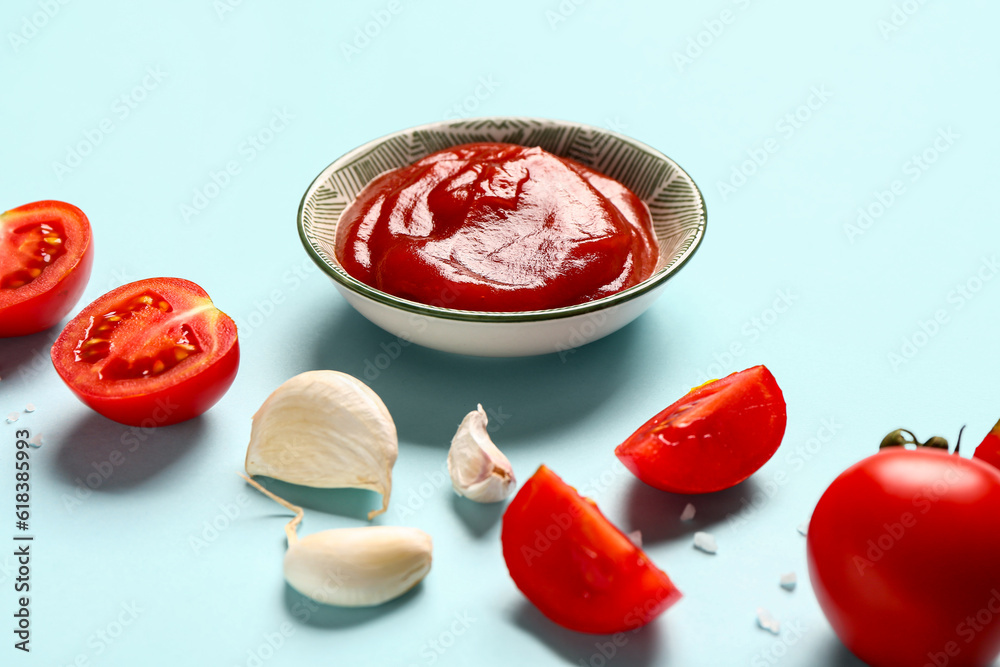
{"points": [[714, 437], [39, 305], [173, 404], [904, 553], [184, 391], [574, 565], [988, 450]]}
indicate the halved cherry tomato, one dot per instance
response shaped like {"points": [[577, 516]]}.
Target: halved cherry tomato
{"points": [[574, 565], [904, 557], [46, 255], [149, 353], [713, 438], [989, 449]]}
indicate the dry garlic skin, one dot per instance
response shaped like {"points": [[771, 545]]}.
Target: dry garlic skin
{"points": [[325, 429], [358, 567], [478, 469]]}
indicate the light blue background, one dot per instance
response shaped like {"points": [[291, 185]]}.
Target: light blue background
{"points": [[224, 74]]}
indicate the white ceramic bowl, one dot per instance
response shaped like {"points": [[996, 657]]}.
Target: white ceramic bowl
{"points": [[676, 205]]}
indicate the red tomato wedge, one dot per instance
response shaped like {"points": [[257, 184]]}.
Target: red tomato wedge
{"points": [[904, 558], [711, 439], [574, 565], [46, 255], [150, 353], [989, 449]]}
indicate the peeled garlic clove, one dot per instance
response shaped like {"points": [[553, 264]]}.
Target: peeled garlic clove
{"points": [[479, 471], [353, 567], [325, 429], [358, 567]]}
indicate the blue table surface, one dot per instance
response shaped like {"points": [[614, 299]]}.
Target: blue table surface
{"points": [[846, 152]]}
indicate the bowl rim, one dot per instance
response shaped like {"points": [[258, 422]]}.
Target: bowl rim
{"points": [[343, 279]]}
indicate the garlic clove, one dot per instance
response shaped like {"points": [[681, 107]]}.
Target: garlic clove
{"points": [[352, 567], [325, 429], [479, 471], [358, 567]]}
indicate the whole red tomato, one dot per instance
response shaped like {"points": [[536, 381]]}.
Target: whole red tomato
{"points": [[574, 565], [904, 557], [46, 254], [714, 437], [149, 353]]}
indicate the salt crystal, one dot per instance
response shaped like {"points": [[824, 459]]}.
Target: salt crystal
{"points": [[30, 407], [788, 581], [767, 622], [688, 512], [705, 542], [635, 537], [12, 417], [803, 528]]}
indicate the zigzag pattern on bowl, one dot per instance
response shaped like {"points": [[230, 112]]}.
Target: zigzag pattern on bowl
{"points": [[675, 205]]}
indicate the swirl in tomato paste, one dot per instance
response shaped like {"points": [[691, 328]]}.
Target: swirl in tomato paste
{"points": [[497, 227]]}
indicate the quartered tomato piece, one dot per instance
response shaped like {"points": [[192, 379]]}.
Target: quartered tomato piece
{"points": [[711, 439], [574, 565], [989, 449], [46, 255], [150, 353]]}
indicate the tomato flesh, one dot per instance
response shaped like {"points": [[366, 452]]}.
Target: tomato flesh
{"points": [[989, 449], [904, 557], [713, 438], [151, 353], [574, 565], [46, 256]]}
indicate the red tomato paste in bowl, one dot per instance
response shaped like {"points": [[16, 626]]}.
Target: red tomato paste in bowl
{"points": [[497, 227]]}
